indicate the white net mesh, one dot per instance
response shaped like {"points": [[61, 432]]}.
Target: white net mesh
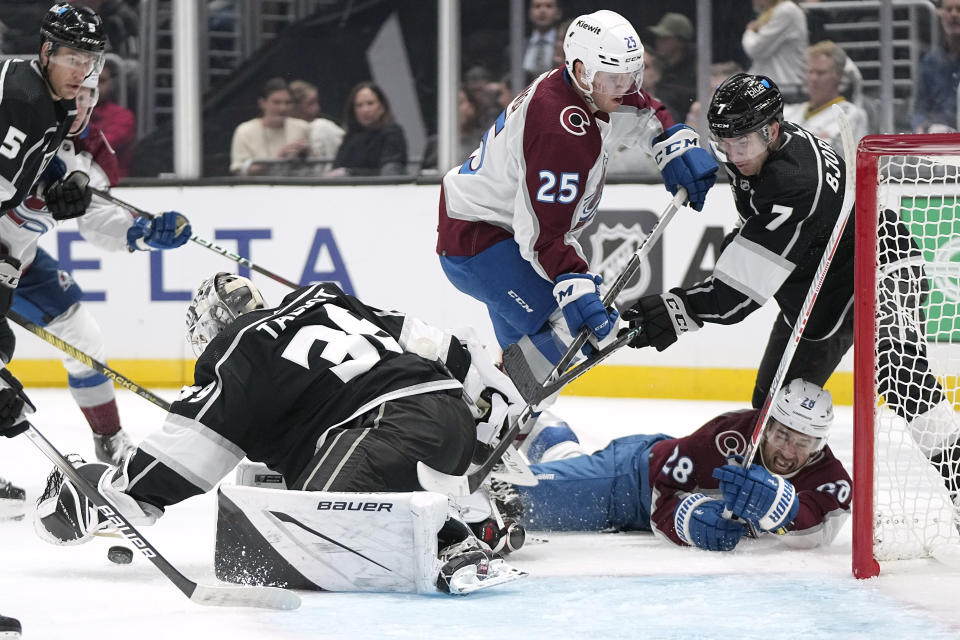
{"points": [[917, 354]]}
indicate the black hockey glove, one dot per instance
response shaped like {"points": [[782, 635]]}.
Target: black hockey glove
{"points": [[9, 279], [661, 318], [14, 405], [70, 197]]}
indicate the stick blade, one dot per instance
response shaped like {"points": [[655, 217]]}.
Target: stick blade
{"points": [[246, 596], [439, 482]]}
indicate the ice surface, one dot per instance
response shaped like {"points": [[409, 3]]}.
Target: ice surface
{"points": [[627, 585]]}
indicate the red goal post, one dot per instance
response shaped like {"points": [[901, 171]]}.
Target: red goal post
{"points": [[901, 507]]}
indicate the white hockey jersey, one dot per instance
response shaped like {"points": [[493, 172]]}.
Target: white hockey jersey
{"points": [[538, 174], [822, 122], [104, 224]]}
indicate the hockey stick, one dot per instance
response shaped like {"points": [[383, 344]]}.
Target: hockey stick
{"points": [[76, 354], [433, 480], [849, 194], [109, 197], [213, 595], [515, 362]]}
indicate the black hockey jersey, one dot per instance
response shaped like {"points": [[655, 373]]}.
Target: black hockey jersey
{"points": [[32, 126], [271, 384], [787, 213]]}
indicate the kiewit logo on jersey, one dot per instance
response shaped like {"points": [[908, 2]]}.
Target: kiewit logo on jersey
{"points": [[575, 120]]}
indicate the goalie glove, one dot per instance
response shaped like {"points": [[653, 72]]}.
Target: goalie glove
{"points": [[168, 230], [15, 406], [755, 494], [684, 163], [662, 318], [698, 521], [70, 197]]}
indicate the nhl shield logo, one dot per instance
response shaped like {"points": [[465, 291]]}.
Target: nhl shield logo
{"points": [[613, 241]]}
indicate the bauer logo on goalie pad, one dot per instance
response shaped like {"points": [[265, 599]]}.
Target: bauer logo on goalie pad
{"points": [[327, 505]]}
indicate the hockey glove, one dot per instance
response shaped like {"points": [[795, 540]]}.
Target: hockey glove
{"points": [[15, 406], [578, 296], [9, 280], [168, 230], [683, 162], [70, 197], [698, 521], [757, 495], [662, 318]]}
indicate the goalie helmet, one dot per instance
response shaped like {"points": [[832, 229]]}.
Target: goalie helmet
{"points": [[610, 50], [219, 300], [804, 407]]}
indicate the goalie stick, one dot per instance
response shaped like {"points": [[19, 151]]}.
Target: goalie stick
{"points": [[109, 197], [433, 480], [212, 595], [514, 360], [849, 194], [76, 354]]}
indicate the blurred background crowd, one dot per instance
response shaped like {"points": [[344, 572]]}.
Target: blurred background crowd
{"points": [[348, 89]]}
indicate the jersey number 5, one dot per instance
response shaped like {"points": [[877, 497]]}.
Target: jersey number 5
{"points": [[11, 142], [352, 339]]}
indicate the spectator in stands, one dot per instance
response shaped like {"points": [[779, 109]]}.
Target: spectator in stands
{"points": [[118, 124], [469, 128], [374, 144], [121, 24], [937, 76], [325, 135], [719, 71], [673, 43], [545, 17], [825, 64], [274, 135], [777, 42]]}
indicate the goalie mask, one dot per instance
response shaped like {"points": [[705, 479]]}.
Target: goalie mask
{"points": [[800, 419], [610, 50], [219, 300]]}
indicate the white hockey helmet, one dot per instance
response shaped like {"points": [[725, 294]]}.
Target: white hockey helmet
{"points": [[219, 300], [804, 407], [610, 50], [87, 98]]}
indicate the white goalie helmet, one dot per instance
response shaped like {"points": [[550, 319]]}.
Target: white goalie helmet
{"points": [[219, 300], [610, 50], [805, 407]]}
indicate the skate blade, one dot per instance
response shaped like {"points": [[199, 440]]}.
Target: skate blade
{"points": [[468, 582]]}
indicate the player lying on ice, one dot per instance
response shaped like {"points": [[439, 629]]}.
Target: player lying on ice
{"points": [[337, 397], [679, 487]]}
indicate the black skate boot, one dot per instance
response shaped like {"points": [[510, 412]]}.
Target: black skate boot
{"points": [[12, 501], [9, 628]]}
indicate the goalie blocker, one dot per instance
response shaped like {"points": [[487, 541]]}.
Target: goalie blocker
{"points": [[405, 542]]}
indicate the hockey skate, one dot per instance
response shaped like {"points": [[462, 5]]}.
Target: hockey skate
{"points": [[9, 628], [12, 501], [113, 449], [469, 566], [502, 530]]}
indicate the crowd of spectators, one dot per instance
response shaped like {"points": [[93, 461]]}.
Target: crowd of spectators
{"points": [[293, 135]]}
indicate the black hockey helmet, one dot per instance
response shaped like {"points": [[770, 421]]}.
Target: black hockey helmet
{"points": [[744, 103], [75, 27]]}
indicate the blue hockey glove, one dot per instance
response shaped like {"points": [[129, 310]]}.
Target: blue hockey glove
{"points": [[757, 495], [578, 296], [699, 521], [683, 162], [14, 405], [662, 318], [70, 197], [168, 230]]}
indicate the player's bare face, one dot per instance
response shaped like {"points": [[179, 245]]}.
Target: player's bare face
{"points": [[67, 68], [786, 450], [367, 107], [276, 108]]}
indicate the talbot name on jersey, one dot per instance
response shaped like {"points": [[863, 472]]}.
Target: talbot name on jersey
{"points": [[589, 27], [331, 505]]}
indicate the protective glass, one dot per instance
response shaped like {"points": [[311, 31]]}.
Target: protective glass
{"points": [[77, 60], [786, 439], [741, 148], [617, 84]]}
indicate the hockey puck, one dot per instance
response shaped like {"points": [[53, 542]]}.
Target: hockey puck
{"points": [[120, 555]]}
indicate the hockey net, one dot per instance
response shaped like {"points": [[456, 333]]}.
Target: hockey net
{"points": [[907, 290]]}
